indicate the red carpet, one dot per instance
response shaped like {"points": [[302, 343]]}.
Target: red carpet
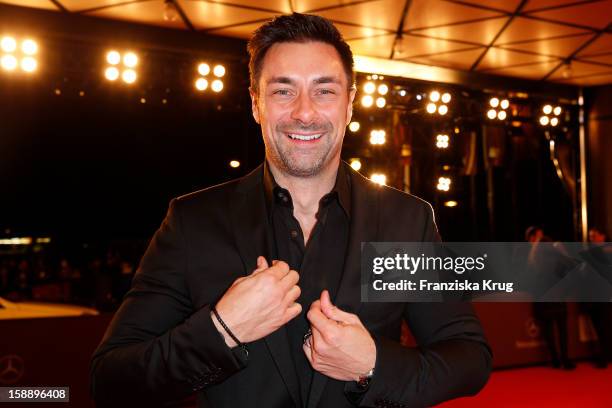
{"points": [[585, 387]]}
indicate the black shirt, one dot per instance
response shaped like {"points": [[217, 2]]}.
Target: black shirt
{"points": [[319, 262]]}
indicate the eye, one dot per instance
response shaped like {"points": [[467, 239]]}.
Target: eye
{"points": [[326, 91], [282, 92]]}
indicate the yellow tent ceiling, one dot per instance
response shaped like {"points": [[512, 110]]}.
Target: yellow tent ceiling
{"points": [[526, 39]]}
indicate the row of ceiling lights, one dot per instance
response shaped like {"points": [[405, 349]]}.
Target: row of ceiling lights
{"points": [[437, 103], [120, 65]]}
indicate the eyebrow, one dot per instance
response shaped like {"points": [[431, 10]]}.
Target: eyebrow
{"points": [[289, 81], [280, 80], [326, 80]]}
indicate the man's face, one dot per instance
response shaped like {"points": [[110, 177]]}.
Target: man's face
{"points": [[303, 106]]}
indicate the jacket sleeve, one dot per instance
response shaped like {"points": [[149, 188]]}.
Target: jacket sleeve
{"points": [[157, 347], [451, 359]]}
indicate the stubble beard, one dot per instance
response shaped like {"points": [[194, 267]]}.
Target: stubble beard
{"points": [[284, 156]]}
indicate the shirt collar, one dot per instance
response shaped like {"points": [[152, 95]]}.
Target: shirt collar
{"points": [[277, 194]]}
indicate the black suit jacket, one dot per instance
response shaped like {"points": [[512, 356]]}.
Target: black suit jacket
{"points": [[162, 343]]}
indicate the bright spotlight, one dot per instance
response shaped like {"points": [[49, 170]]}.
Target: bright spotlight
{"points": [[367, 101], [547, 109], [8, 62], [8, 44], [129, 76], [554, 122], [377, 137], [446, 97], [442, 141], [451, 203], [494, 102], [442, 109], [28, 64], [383, 89], [491, 114], [431, 108], [434, 96], [356, 164], [113, 57], [354, 126], [111, 73], [402, 92], [501, 115], [219, 70], [130, 60], [443, 184], [504, 104], [543, 120], [234, 164], [369, 87], [201, 84], [217, 85], [29, 47], [204, 69], [557, 110], [379, 178], [381, 102]]}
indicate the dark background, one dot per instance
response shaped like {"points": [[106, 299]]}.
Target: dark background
{"points": [[83, 160]]}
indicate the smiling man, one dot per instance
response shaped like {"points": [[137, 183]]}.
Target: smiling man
{"points": [[249, 292]]}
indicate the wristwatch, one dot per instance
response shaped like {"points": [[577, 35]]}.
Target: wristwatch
{"points": [[364, 379]]}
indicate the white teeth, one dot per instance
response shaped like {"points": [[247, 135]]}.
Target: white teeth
{"points": [[305, 137]]}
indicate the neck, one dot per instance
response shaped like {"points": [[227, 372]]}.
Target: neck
{"points": [[306, 192]]}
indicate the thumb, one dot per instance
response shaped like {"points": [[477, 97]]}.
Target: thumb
{"points": [[331, 311], [262, 264], [326, 304]]}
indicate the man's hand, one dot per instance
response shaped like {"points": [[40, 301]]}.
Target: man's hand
{"points": [[258, 304], [340, 346]]}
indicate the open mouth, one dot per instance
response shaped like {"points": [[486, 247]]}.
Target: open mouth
{"points": [[305, 138]]}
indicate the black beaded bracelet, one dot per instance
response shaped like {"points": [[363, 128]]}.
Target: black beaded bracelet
{"points": [[228, 331]]}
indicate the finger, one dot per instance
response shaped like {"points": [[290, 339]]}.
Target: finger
{"points": [[278, 269], [317, 336], [319, 321], [333, 312], [262, 265], [308, 351], [292, 312], [292, 295], [317, 340], [316, 304], [290, 279]]}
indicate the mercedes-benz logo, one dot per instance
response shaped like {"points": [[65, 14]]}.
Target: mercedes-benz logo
{"points": [[12, 368]]}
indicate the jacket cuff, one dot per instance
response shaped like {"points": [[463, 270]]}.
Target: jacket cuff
{"points": [[220, 361], [393, 362]]}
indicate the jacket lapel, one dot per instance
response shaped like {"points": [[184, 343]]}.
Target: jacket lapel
{"points": [[363, 228], [249, 223]]}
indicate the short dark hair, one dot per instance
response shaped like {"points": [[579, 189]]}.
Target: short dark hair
{"points": [[299, 28]]}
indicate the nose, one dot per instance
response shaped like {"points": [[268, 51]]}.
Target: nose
{"points": [[304, 110]]}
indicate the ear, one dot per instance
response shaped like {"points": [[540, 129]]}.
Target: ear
{"points": [[254, 106], [349, 108]]}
